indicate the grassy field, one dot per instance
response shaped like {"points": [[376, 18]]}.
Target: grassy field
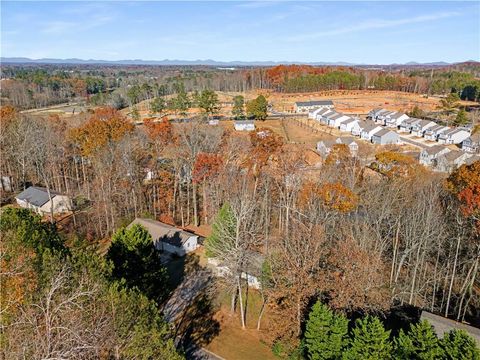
{"points": [[233, 343]]}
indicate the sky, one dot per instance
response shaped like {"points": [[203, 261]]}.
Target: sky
{"points": [[355, 32]]}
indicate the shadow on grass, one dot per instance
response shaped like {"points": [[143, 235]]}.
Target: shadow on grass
{"points": [[191, 308]]}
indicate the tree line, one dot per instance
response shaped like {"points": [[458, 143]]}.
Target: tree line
{"points": [[30, 87]]}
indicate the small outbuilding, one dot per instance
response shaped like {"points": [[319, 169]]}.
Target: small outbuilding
{"points": [[244, 125]]}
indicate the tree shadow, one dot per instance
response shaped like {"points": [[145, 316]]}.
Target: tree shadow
{"points": [[191, 308]]}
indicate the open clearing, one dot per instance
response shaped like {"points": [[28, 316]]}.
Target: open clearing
{"points": [[348, 101]]}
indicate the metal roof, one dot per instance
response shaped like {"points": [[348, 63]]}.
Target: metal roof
{"points": [[164, 232], [314, 103], [35, 195]]}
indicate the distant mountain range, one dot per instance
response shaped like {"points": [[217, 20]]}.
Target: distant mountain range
{"points": [[208, 62]]}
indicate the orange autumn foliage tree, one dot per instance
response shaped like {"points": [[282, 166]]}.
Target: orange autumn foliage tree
{"points": [[394, 164], [159, 131], [464, 183], [333, 196], [205, 166], [265, 144], [104, 125], [340, 153]]}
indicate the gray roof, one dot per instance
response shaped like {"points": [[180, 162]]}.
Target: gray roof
{"points": [[443, 325], [347, 140], [432, 150], [164, 232], [37, 196], [453, 155], [350, 120], [472, 159], [396, 115], [337, 116], [244, 122], [324, 111], [314, 103], [370, 126], [383, 132]]}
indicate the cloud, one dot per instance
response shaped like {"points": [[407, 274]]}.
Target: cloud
{"points": [[372, 24]]}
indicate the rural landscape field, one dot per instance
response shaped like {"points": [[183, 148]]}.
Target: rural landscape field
{"points": [[311, 193]]}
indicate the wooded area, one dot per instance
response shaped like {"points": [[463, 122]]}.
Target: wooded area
{"points": [[363, 243], [26, 87]]}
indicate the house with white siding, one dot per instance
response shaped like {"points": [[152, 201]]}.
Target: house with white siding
{"points": [[472, 143], [244, 125], [407, 124], [359, 126], [324, 113], [375, 115], [169, 238], [347, 125], [337, 119], [324, 117], [306, 106], [383, 117], [394, 120], [369, 130], [385, 137], [429, 155], [419, 128], [44, 201], [451, 160], [433, 133], [454, 136]]}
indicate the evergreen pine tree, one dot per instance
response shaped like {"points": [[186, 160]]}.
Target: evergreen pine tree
{"points": [[420, 342], [370, 341], [458, 345], [326, 333], [223, 233]]}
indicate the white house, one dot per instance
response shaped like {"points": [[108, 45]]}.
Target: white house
{"points": [[320, 113], [451, 160], [472, 143], [407, 124], [358, 127], [169, 238], [244, 125], [419, 127], [429, 155], [376, 113], [383, 116], [336, 120], [325, 117], [37, 199], [395, 119], [385, 137], [369, 130], [306, 106], [433, 132], [453, 136], [347, 125]]}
